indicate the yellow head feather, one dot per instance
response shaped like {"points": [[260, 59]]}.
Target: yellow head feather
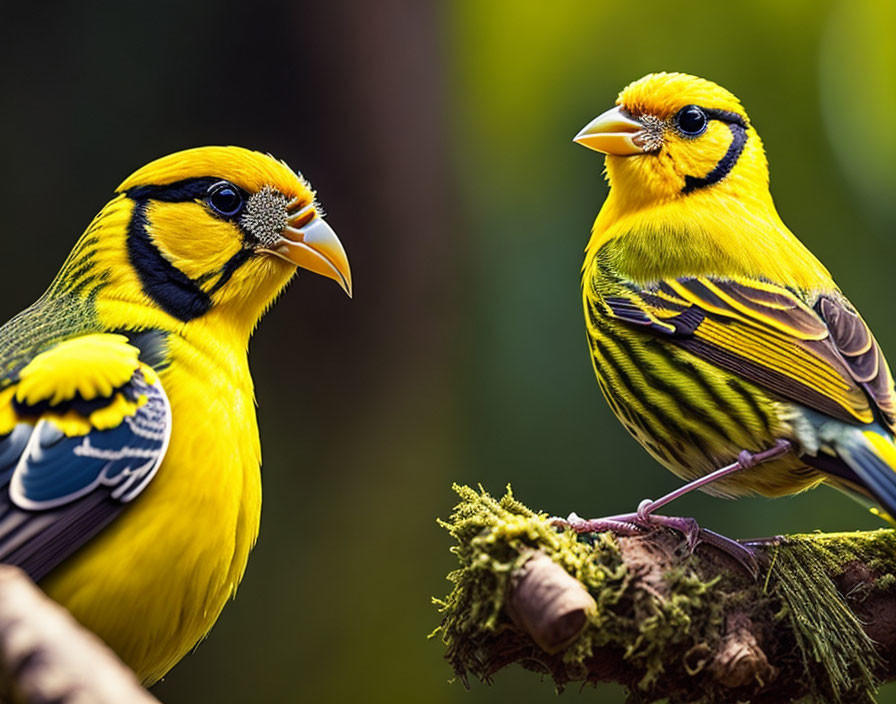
{"points": [[664, 94], [664, 226], [245, 168]]}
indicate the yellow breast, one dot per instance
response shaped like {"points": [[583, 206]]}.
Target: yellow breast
{"points": [[153, 583]]}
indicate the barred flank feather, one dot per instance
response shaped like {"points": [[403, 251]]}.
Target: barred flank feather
{"points": [[691, 416]]}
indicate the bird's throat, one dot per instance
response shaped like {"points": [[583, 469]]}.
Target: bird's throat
{"points": [[708, 233]]}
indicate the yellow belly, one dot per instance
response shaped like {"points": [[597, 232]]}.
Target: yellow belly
{"points": [[153, 582]]}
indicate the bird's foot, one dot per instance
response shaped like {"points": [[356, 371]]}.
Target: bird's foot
{"points": [[611, 524], [629, 524], [644, 518]]}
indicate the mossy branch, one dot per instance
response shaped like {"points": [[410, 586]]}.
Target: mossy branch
{"points": [[820, 620]]}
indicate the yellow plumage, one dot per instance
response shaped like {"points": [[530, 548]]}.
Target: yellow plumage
{"points": [[143, 335], [712, 328], [86, 366], [153, 582]]}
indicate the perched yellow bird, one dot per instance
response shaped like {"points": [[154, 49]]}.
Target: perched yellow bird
{"points": [[128, 439], [719, 341]]}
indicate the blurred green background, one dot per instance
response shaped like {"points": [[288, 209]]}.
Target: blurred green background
{"points": [[439, 138]]}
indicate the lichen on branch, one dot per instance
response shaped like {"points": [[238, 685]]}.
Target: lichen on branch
{"points": [[819, 619]]}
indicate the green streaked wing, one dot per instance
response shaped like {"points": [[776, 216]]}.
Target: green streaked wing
{"points": [[821, 355]]}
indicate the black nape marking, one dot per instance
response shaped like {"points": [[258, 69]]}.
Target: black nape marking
{"points": [[738, 127], [175, 292]]}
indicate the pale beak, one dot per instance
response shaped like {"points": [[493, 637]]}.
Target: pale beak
{"points": [[613, 132], [310, 243]]}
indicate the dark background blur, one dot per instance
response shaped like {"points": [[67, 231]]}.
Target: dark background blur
{"points": [[438, 136]]}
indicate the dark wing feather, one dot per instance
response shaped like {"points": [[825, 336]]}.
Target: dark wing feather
{"points": [[860, 351], [39, 541]]}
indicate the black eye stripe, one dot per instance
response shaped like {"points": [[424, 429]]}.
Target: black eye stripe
{"points": [[177, 192], [725, 116], [205, 188]]}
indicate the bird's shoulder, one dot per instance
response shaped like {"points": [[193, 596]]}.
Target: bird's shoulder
{"points": [[82, 374]]}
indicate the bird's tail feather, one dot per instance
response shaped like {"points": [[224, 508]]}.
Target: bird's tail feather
{"points": [[872, 456]]}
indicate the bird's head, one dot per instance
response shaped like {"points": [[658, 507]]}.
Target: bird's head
{"points": [[672, 135], [212, 230], [689, 188]]}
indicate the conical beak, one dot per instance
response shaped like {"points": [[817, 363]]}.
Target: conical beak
{"points": [[613, 132], [310, 243]]}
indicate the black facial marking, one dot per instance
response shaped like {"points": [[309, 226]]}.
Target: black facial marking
{"points": [[177, 192], [738, 127], [224, 199], [725, 116], [175, 292], [230, 266]]}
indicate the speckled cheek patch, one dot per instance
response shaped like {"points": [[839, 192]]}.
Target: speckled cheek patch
{"points": [[265, 215]]}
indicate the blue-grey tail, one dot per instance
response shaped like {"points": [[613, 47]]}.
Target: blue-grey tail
{"points": [[869, 455]]}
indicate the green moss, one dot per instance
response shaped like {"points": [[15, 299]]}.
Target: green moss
{"points": [[838, 657], [886, 582], [672, 626], [493, 539]]}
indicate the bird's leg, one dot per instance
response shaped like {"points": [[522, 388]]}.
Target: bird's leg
{"points": [[645, 518], [745, 460], [645, 513]]}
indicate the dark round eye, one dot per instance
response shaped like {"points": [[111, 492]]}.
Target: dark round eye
{"points": [[691, 120], [225, 199]]}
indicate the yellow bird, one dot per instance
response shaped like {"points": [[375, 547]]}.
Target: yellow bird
{"points": [[128, 440], [718, 339]]}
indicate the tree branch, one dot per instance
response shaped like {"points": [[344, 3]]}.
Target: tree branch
{"points": [[819, 620], [46, 656]]}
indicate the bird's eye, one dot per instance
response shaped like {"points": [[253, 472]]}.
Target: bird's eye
{"points": [[225, 199], [691, 120]]}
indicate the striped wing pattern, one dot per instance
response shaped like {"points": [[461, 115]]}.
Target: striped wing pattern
{"points": [[819, 353], [69, 467]]}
